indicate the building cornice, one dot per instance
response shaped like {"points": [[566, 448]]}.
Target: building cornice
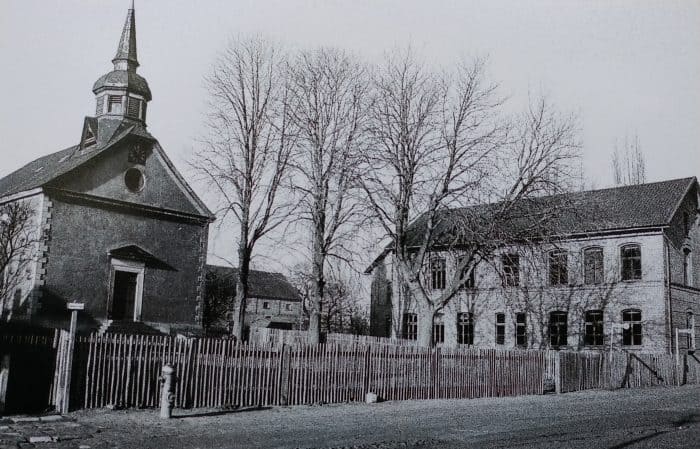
{"points": [[109, 203]]}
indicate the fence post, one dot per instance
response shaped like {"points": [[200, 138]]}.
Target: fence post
{"points": [[4, 377], [367, 366], [74, 307], [284, 374], [557, 372]]}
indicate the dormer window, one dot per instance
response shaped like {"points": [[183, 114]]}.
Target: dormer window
{"points": [[114, 104]]}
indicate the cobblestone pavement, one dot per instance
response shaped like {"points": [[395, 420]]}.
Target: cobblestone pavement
{"points": [[642, 418]]}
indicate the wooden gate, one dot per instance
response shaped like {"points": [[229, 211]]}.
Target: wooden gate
{"points": [[29, 373]]}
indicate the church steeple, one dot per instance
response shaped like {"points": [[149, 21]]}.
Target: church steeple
{"points": [[123, 93], [126, 52]]}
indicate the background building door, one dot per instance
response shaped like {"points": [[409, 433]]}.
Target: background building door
{"points": [[124, 295]]}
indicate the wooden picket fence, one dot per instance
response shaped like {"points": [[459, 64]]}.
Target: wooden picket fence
{"points": [[124, 370], [590, 370]]}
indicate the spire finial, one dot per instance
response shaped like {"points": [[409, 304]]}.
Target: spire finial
{"points": [[126, 52]]}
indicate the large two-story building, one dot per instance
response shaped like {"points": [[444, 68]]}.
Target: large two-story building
{"points": [[623, 270]]}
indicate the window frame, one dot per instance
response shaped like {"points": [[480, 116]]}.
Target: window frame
{"points": [[634, 334], [510, 265], [687, 267], [438, 273], [111, 103], [438, 331], [409, 326], [471, 281], [500, 329], [597, 271], [593, 328], [558, 325], [635, 273], [465, 328], [560, 277], [521, 330]]}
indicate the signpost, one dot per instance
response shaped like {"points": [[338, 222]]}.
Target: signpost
{"points": [[74, 307]]}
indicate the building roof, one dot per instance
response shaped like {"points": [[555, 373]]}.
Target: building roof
{"points": [[46, 169], [615, 209], [261, 284]]}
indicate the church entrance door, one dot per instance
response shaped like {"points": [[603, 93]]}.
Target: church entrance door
{"points": [[124, 296]]}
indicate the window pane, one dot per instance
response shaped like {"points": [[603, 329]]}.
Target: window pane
{"points": [[558, 329], [465, 328], [437, 273], [594, 328], [500, 328], [466, 273], [632, 336], [631, 261], [521, 329], [410, 326], [593, 265], [558, 269], [511, 270]]}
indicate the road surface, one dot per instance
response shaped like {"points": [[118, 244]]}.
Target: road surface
{"points": [[639, 418]]}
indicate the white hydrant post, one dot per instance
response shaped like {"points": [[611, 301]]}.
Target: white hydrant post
{"points": [[167, 397]]}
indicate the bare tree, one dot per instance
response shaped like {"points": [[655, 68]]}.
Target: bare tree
{"points": [[438, 144], [246, 155], [340, 310], [628, 164], [17, 243], [327, 94]]}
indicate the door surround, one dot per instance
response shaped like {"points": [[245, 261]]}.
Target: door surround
{"points": [[129, 266]]}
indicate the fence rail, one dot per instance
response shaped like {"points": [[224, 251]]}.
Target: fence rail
{"points": [[124, 370]]}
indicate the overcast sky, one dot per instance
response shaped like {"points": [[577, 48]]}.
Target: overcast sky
{"points": [[626, 67]]}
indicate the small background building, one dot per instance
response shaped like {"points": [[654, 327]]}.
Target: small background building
{"points": [[273, 301]]}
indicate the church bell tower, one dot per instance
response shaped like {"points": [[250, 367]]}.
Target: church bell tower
{"points": [[122, 93]]}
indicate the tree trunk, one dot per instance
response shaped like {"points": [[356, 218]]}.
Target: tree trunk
{"points": [[318, 290], [425, 326], [241, 299]]}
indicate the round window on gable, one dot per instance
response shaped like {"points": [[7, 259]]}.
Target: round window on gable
{"points": [[134, 180]]}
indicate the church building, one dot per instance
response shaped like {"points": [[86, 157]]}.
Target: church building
{"points": [[112, 223]]}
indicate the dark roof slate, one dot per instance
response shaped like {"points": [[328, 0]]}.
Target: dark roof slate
{"points": [[262, 284], [47, 168], [577, 213]]}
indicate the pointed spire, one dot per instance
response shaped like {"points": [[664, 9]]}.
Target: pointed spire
{"points": [[126, 52]]}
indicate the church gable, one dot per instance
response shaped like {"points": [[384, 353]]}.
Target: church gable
{"points": [[135, 170]]}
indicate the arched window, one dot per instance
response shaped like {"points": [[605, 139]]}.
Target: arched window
{"points": [[437, 273], [687, 267], [558, 268], [631, 262], [593, 265], [558, 329], [438, 329], [632, 331]]}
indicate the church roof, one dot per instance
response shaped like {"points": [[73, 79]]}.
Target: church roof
{"points": [[131, 81], [261, 284], [126, 51], [45, 169]]}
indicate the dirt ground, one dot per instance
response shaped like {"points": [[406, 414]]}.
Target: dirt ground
{"points": [[641, 418]]}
